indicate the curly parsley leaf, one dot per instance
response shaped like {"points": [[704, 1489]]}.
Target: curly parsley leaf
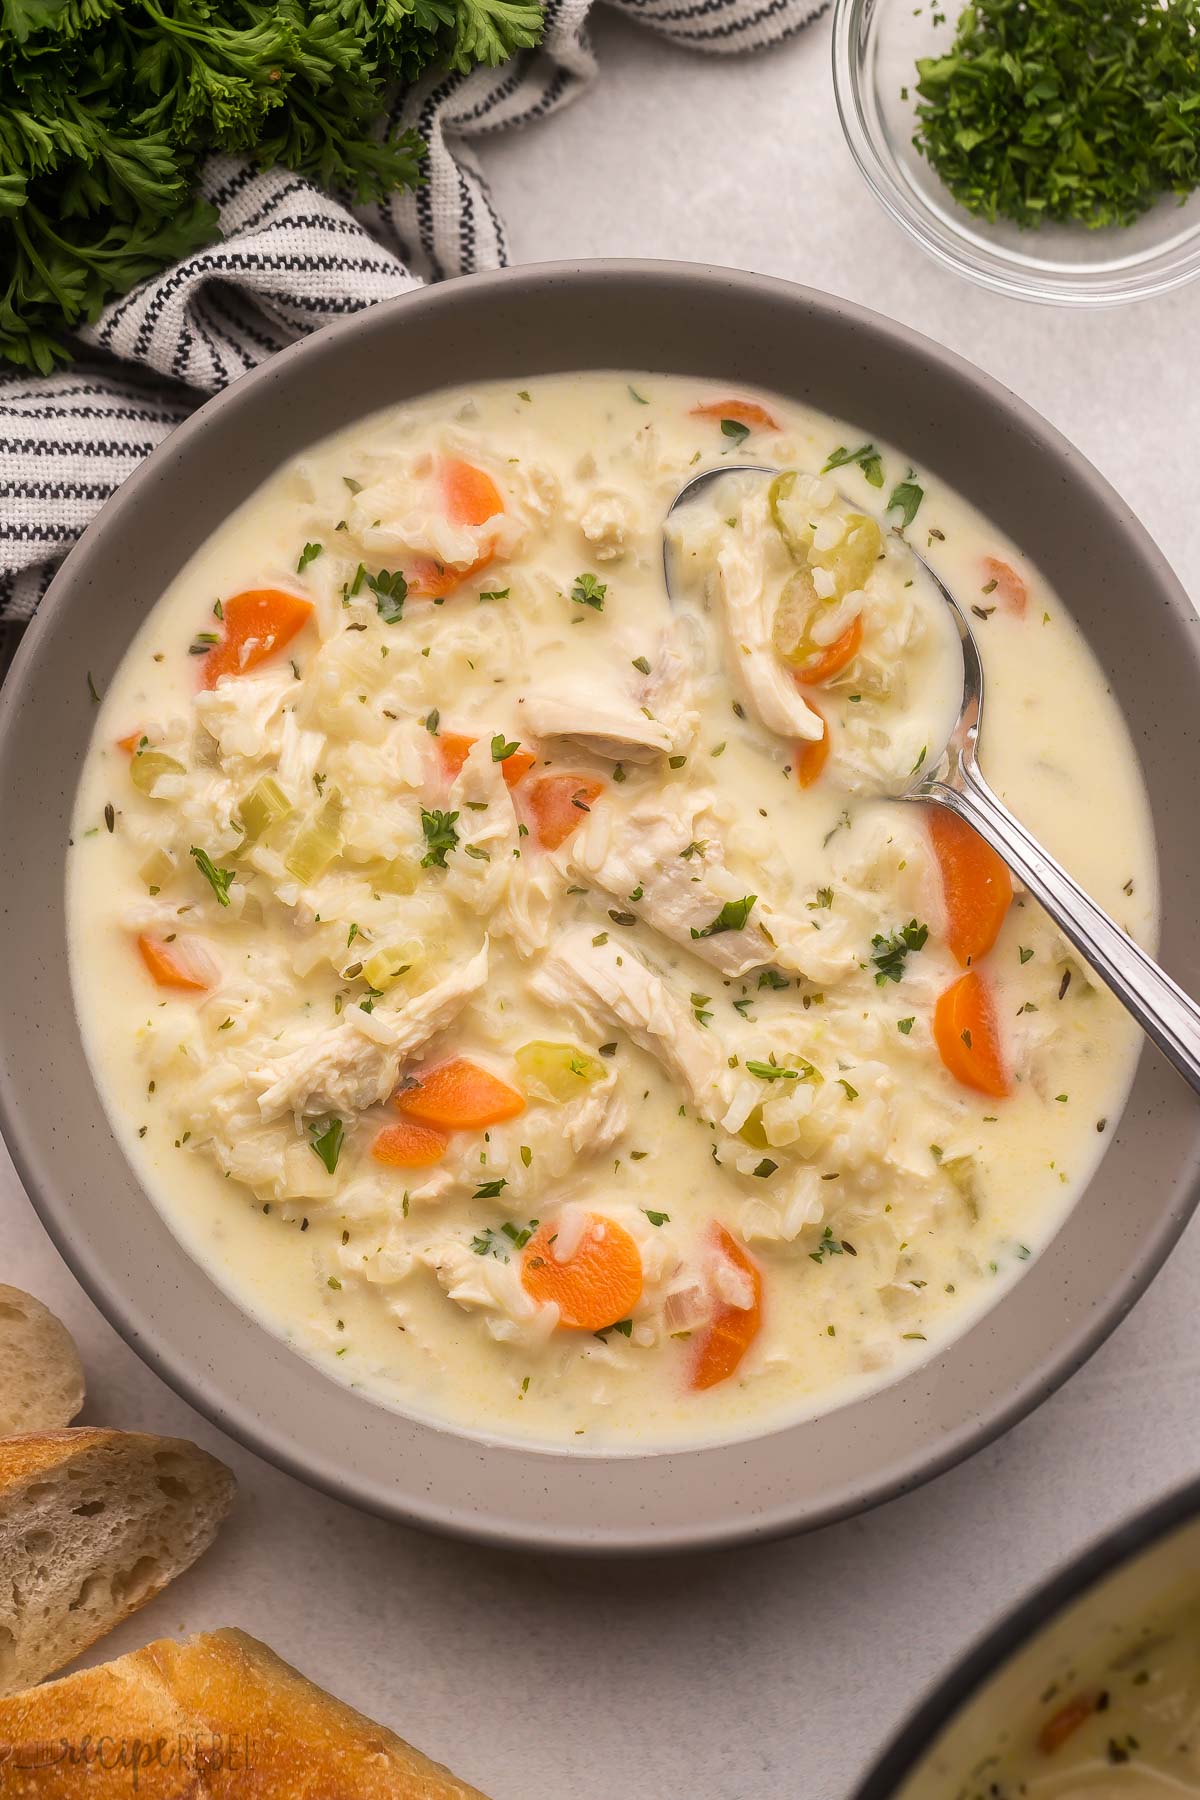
{"points": [[891, 953], [328, 1136], [867, 458], [588, 591], [440, 836], [391, 591], [732, 917]]}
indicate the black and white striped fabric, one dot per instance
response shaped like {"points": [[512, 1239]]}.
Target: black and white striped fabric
{"points": [[291, 259]]}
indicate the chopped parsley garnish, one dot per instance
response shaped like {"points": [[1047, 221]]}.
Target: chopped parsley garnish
{"points": [[657, 1218], [732, 917], [1084, 111], [1023, 953], [634, 395], [851, 1092], [219, 880], [700, 1004], [906, 499], [496, 594], [432, 721], [824, 899], [92, 689], [828, 1246], [867, 457], [771, 1071], [733, 428], [766, 1167], [309, 554], [328, 1136], [501, 751], [642, 664], [771, 978], [589, 592], [440, 836], [491, 1190], [499, 1240], [390, 591], [905, 1025], [891, 953]]}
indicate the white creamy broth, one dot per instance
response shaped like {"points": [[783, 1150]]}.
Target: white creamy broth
{"points": [[1112, 1727], [577, 1043]]}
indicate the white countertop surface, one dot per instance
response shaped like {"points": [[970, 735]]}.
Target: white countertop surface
{"points": [[773, 1671]]}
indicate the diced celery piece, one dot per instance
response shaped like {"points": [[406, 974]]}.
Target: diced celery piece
{"points": [[399, 876], [753, 1132], [391, 962], [791, 627], [317, 842], [559, 1071], [792, 529], [146, 766], [965, 1176], [851, 560], [265, 805], [158, 868]]}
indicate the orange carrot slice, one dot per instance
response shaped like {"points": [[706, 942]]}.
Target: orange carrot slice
{"points": [[1010, 589], [599, 1283], [257, 623], [812, 753], [459, 1096], [744, 412], [409, 1145], [169, 966], [559, 803], [964, 1029], [1065, 1722], [454, 748], [131, 742], [733, 1329], [472, 497], [833, 658], [976, 886]]}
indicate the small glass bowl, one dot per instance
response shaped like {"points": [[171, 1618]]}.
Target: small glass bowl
{"points": [[875, 47]]}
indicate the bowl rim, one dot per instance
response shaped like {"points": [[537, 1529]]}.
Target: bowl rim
{"points": [[782, 1511], [993, 268], [988, 1653]]}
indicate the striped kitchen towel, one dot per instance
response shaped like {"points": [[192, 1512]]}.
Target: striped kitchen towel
{"points": [[290, 259]]}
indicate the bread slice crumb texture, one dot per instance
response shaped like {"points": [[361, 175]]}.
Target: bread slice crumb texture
{"points": [[41, 1376], [92, 1525]]}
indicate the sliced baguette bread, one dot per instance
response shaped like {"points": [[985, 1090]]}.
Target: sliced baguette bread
{"points": [[217, 1717], [41, 1376], [92, 1525]]}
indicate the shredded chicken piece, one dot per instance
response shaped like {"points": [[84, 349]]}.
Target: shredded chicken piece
{"points": [[671, 850], [611, 981], [751, 659], [598, 718], [356, 1063]]}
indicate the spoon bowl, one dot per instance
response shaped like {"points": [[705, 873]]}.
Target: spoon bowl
{"points": [[1169, 1016]]}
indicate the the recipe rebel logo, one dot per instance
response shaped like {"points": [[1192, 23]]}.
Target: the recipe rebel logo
{"points": [[183, 1753]]}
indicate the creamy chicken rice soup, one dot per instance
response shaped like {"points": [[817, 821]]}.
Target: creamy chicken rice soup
{"points": [[524, 995]]}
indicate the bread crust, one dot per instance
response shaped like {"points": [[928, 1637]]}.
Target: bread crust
{"points": [[216, 1717]]}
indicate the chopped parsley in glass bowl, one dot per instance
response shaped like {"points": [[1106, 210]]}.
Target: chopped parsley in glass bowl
{"points": [[1003, 117]]}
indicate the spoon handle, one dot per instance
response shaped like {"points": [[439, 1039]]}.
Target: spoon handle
{"points": [[1161, 1008]]}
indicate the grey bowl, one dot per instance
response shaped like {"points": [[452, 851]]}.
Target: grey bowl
{"points": [[1113, 1597], [707, 323]]}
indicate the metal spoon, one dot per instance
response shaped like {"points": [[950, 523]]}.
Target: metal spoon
{"points": [[1168, 1016]]}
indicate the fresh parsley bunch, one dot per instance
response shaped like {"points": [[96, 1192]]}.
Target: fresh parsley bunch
{"points": [[1084, 110], [108, 106]]}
